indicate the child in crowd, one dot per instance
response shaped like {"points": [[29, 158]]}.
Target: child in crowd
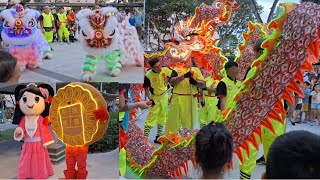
{"points": [[294, 155], [214, 148], [9, 68], [298, 107], [315, 103], [305, 101]]}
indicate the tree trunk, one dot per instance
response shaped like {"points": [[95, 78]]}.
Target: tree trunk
{"points": [[272, 10], [255, 10]]}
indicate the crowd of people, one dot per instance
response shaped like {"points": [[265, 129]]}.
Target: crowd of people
{"points": [[307, 107]]}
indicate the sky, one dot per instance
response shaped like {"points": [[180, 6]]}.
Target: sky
{"points": [[267, 4]]}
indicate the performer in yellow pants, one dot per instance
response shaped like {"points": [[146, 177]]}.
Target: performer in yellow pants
{"points": [[210, 110], [180, 107], [268, 137], [47, 24], [63, 30], [156, 87]]}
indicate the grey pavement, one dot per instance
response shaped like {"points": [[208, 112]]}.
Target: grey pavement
{"points": [[232, 174], [6, 126], [99, 165], [66, 66]]}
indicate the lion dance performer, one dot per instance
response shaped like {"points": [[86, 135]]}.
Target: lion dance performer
{"points": [[104, 38], [63, 30], [79, 118], [25, 40]]}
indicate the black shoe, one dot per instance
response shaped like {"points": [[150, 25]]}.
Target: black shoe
{"points": [[261, 160], [292, 122], [156, 140]]}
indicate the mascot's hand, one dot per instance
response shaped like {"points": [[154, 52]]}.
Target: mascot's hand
{"points": [[101, 114], [46, 121], [53, 30], [18, 134]]}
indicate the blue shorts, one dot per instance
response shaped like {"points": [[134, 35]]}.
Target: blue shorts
{"points": [[315, 105]]}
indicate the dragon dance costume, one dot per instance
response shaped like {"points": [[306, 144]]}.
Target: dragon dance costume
{"points": [[257, 106]]}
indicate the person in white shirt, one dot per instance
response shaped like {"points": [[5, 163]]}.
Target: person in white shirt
{"points": [[315, 103]]}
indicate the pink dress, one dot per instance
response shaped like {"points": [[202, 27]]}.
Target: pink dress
{"points": [[35, 161]]}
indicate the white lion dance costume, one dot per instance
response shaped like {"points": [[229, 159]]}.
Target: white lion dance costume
{"points": [[25, 40], [104, 38]]}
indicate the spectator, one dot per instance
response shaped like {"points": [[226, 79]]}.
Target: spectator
{"points": [[315, 103], [132, 21], [139, 18], [214, 148], [23, 5], [294, 155], [1, 28], [9, 68], [298, 107], [10, 4], [305, 100]]}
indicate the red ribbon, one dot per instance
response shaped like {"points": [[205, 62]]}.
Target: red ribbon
{"points": [[48, 100], [17, 102]]}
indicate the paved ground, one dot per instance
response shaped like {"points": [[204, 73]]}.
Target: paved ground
{"points": [[66, 66], [6, 126], [231, 174], [99, 165]]}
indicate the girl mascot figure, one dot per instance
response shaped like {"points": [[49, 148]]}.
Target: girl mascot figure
{"points": [[25, 40], [31, 113]]}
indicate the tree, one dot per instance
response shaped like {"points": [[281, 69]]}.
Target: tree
{"points": [[315, 1], [238, 23], [160, 12]]}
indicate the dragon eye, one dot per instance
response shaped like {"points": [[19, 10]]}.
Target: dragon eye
{"points": [[188, 38], [31, 23], [218, 4]]}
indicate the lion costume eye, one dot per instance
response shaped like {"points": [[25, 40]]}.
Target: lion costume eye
{"points": [[113, 32], [188, 38], [6, 24], [32, 23]]}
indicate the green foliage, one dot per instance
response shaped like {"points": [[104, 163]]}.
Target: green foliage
{"points": [[7, 134], [158, 12], [110, 140], [315, 1], [238, 23]]}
